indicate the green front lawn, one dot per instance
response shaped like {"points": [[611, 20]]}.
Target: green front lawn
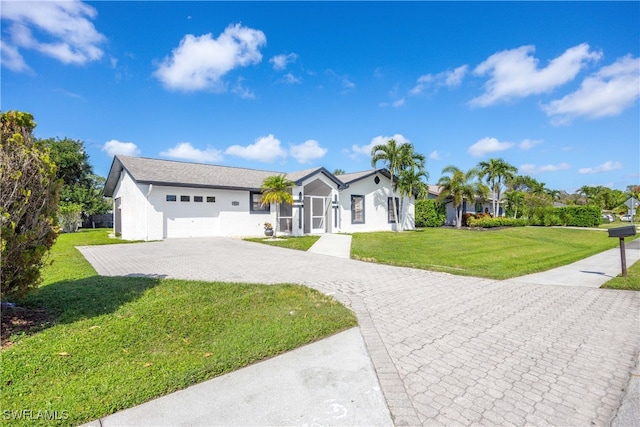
{"points": [[495, 254], [302, 243], [115, 342]]}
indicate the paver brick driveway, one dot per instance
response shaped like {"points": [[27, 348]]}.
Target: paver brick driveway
{"points": [[447, 349]]}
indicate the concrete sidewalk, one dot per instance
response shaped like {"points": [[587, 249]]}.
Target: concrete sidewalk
{"points": [[591, 272], [331, 382], [338, 245]]}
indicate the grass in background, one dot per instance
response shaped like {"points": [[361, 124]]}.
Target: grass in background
{"points": [[116, 342], [494, 254], [302, 243]]}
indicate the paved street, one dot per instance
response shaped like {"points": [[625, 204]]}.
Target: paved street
{"points": [[447, 349]]}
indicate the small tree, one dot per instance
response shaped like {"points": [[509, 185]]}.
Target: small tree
{"points": [[70, 216], [28, 204], [276, 189]]}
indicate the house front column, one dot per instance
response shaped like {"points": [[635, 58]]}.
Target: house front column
{"points": [[335, 207], [298, 211]]}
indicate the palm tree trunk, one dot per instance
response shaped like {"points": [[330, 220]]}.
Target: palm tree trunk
{"points": [[275, 229], [393, 203]]}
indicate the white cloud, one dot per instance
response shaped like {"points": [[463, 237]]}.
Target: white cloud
{"points": [[607, 166], [608, 92], [11, 58], [280, 62], [454, 78], [186, 151], [435, 155], [242, 91], [199, 63], [265, 149], [115, 147], [307, 151], [398, 103], [449, 78], [291, 79], [365, 150], [347, 84], [528, 144], [515, 74], [488, 145], [531, 169], [66, 26]]}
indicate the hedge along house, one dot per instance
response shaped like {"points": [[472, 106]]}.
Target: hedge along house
{"points": [[157, 199]]}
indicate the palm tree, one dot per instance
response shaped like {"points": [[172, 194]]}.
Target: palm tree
{"points": [[460, 186], [411, 182], [554, 195], [396, 158], [496, 171], [276, 189]]}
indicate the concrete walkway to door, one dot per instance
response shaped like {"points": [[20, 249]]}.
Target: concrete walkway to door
{"points": [[338, 245]]}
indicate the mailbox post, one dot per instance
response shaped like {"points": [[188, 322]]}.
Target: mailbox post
{"points": [[621, 233]]}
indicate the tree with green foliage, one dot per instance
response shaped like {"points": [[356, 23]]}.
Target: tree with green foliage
{"points": [[497, 172], [411, 182], [460, 186], [396, 158], [633, 191], [276, 189], [515, 202], [29, 194], [339, 172], [81, 186]]}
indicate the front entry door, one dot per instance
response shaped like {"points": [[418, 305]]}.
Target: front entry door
{"points": [[317, 214]]}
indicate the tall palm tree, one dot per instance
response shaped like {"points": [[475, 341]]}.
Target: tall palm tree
{"points": [[276, 189], [396, 158], [496, 172], [460, 186], [411, 182]]}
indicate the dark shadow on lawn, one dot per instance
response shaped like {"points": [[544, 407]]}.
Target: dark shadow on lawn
{"points": [[70, 300]]}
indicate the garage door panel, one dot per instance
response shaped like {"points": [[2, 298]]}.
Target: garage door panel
{"points": [[184, 219]]}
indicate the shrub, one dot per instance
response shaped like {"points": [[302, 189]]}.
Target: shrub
{"points": [[28, 203], [487, 221], [576, 216], [429, 213]]}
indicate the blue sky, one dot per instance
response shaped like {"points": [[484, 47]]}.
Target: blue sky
{"points": [[551, 87]]}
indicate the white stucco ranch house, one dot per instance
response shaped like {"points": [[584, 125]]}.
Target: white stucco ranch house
{"points": [[159, 199]]}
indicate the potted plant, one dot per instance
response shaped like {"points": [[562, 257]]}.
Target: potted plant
{"points": [[268, 229]]}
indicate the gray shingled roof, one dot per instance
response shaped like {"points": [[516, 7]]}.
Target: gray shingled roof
{"points": [[169, 172], [348, 178]]}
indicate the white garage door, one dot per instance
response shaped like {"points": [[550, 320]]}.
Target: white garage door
{"points": [[190, 218]]}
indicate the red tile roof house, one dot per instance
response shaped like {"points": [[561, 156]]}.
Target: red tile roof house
{"points": [[158, 199]]}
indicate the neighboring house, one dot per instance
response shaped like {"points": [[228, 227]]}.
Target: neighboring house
{"points": [[157, 199], [477, 206]]}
